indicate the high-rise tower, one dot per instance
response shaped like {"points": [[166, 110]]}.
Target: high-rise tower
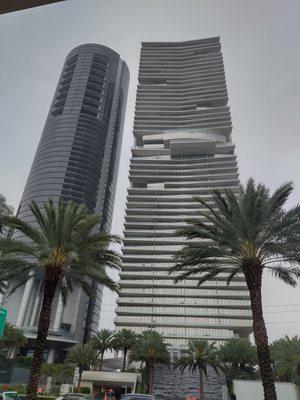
{"points": [[5, 209], [183, 148], [77, 160]]}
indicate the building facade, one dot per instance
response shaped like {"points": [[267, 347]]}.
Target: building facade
{"points": [[5, 209], [77, 160], [183, 148]]}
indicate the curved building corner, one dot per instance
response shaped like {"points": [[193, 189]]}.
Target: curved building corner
{"points": [[77, 159]]}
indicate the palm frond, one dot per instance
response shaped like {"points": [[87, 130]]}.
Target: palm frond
{"points": [[28, 230], [9, 246], [288, 275], [280, 197], [250, 228]]}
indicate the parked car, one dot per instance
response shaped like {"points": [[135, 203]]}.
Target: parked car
{"points": [[9, 396], [137, 396]]}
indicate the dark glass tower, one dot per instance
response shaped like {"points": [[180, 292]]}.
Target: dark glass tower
{"points": [[77, 160]]}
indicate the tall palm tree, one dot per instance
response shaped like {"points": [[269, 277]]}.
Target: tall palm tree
{"points": [[82, 355], [149, 349], [102, 342], [124, 340], [64, 247], [285, 354], [198, 356], [246, 233]]}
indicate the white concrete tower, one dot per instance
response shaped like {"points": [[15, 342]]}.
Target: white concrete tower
{"points": [[182, 149]]}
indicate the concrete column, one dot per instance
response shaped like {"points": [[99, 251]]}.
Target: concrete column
{"points": [[51, 356], [25, 302], [58, 314], [36, 307], [12, 354]]}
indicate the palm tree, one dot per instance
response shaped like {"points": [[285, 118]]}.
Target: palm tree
{"points": [[239, 358], [82, 355], [12, 339], [285, 354], [124, 340], [245, 233], [64, 247], [150, 349], [102, 342], [198, 356]]}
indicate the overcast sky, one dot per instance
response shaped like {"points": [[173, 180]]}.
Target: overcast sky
{"points": [[260, 43]]}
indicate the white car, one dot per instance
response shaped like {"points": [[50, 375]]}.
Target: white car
{"points": [[9, 396]]}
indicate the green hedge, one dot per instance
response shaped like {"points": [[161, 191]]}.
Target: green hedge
{"points": [[85, 390], [18, 388], [22, 396]]}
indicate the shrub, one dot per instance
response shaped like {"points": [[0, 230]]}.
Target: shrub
{"points": [[23, 362], [85, 390], [41, 397], [21, 389]]}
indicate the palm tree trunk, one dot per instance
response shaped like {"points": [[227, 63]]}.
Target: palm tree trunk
{"points": [[101, 361], [40, 344], [124, 360], [79, 380], [254, 282], [149, 379], [201, 384]]}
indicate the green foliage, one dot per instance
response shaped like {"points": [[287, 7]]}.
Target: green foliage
{"points": [[57, 370], [66, 242], [102, 342], [198, 356], [123, 340], [85, 390], [82, 356], [244, 232], [150, 349], [252, 231], [239, 357], [285, 354], [20, 388], [12, 336], [143, 383], [23, 362], [62, 248], [40, 396]]}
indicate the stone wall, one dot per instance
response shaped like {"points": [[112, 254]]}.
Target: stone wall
{"points": [[172, 385]]}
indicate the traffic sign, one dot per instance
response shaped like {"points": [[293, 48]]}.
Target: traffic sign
{"points": [[3, 313]]}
